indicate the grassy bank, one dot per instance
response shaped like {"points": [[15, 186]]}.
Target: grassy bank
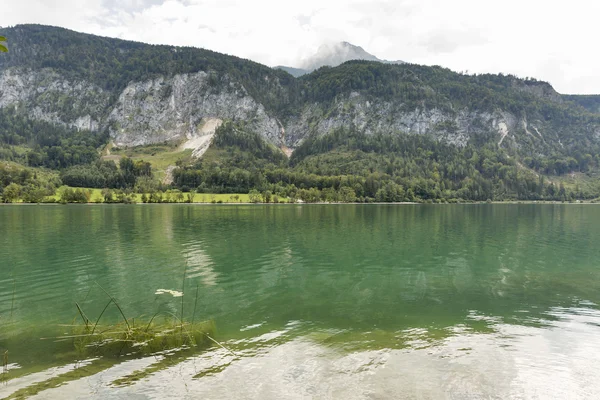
{"points": [[96, 196]]}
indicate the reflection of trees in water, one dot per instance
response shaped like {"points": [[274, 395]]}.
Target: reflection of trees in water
{"points": [[372, 264], [366, 274], [342, 264]]}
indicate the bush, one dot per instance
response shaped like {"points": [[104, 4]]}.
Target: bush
{"points": [[33, 194], [11, 193], [255, 196], [68, 195]]}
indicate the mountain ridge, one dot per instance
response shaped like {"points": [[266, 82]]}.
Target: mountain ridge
{"points": [[136, 94], [113, 74]]}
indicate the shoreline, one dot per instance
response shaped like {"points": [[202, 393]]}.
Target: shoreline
{"points": [[516, 202]]}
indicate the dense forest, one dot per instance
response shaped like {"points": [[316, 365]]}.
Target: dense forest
{"points": [[49, 145], [344, 166], [343, 163], [351, 166]]}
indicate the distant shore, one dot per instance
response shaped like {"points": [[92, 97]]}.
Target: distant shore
{"points": [[578, 202]]}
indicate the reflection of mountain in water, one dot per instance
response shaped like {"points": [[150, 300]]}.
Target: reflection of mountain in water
{"points": [[199, 264]]}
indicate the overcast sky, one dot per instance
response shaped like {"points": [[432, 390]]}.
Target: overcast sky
{"points": [[556, 41]]}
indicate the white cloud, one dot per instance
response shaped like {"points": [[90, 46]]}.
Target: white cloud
{"points": [[549, 40]]}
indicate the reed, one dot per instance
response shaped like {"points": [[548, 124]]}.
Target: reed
{"points": [[118, 340], [116, 304], [146, 337], [183, 293], [195, 304], [83, 316], [169, 332], [4, 375]]}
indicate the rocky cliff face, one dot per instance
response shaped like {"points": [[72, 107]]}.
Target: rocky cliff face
{"points": [[144, 113], [388, 117], [174, 109], [141, 94], [45, 95], [453, 127]]}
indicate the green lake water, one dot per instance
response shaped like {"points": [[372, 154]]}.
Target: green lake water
{"points": [[310, 301]]}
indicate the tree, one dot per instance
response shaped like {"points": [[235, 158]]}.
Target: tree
{"points": [[3, 47], [11, 193], [128, 171], [190, 196], [347, 194], [267, 196], [254, 196], [107, 194], [33, 194], [68, 195]]}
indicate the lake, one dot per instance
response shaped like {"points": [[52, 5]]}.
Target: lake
{"points": [[489, 301]]}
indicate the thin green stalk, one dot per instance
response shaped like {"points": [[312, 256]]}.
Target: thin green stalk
{"points": [[100, 316], [155, 314], [182, 294], [151, 319], [84, 299], [5, 362], [116, 304], [181, 322], [207, 335], [195, 304], [83, 316], [220, 345], [87, 294]]}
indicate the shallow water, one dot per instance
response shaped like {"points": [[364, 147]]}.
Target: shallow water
{"points": [[313, 301]]}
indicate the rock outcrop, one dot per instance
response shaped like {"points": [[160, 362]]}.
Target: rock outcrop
{"points": [[173, 109]]}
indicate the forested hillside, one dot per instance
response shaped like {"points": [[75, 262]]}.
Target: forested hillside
{"points": [[362, 131], [348, 165], [589, 102], [112, 64]]}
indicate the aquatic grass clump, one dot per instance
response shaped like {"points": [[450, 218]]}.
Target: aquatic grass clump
{"points": [[98, 347], [141, 339], [147, 337]]}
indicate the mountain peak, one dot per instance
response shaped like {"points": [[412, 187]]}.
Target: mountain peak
{"points": [[332, 55]]}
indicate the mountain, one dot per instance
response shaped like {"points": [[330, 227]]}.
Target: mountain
{"points": [[332, 55], [335, 54], [64, 94]]}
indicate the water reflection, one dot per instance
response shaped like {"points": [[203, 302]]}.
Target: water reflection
{"points": [[352, 301], [199, 264], [514, 361]]}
